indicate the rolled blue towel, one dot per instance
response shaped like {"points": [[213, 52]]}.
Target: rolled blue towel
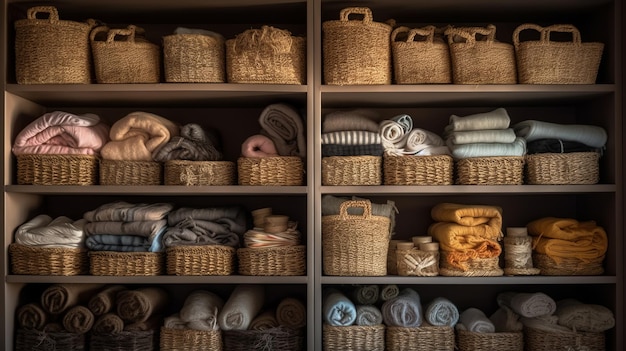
{"points": [[338, 309], [368, 315], [441, 311], [404, 310]]}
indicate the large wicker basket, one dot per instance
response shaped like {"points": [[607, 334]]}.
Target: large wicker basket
{"points": [[475, 267], [41, 169], [423, 338], [418, 170], [281, 260], [200, 260], [495, 170], [353, 337], [31, 340], [194, 58], [419, 57], [276, 170], [114, 172], [565, 168], [568, 265], [279, 338], [113, 263], [546, 61], [29, 260], [190, 340], [352, 170], [182, 172], [543, 340], [125, 340], [472, 341], [356, 51]]}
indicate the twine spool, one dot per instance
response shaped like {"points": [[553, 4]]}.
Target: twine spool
{"points": [[275, 224], [417, 240], [429, 246], [518, 252], [259, 216], [392, 266]]}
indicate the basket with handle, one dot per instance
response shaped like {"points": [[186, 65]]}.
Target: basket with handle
{"points": [[194, 58], [419, 57], [546, 61]]}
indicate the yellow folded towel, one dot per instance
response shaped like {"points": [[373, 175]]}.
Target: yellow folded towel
{"points": [[468, 215], [460, 237]]}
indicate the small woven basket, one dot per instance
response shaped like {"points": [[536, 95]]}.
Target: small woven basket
{"points": [[472, 341], [279, 338], [29, 340], [200, 260], [280, 260], [194, 58], [355, 245], [568, 265], [419, 57], [495, 170], [182, 172], [353, 337], [476, 267], [275, 170], [480, 61], [268, 56], [29, 260], [40, 169], [418, 170], [52, 51], [352, 170], [124, 56], [543, 340], [356, 51], [417, 263], [136, 340], [190, 340], [113, 172], [423, 338], [113, 263], [565, 168], [546, 61]]}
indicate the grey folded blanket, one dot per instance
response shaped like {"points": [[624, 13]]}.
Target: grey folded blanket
{"points": [[236, 213], [284, 125], [198, 232], [120, 211], [193, 144], [590, 135]]}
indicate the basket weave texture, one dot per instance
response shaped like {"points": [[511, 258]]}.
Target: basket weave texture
{"points": [[418, 170], [568, 265], [279, 338], [112, 263], [114, 172], [352, 170], [182, 172], [423, 338], [355, 245], [472, 341], [194, 58], [276, 170], [272, 261], [542, 340], [200, 260], [40, 169], [356, 51], [190, 340], [28, 340], [565, 168], [496, 170], [125, 340], [354, 337], [419, 57], [29, 260], [416, 262], [476, 267], [546, 61], [52, 51]]}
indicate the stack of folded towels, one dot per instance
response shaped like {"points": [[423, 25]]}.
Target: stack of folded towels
{"points": [[205, 226], [193, 144], [351, 133], [400, 137], [44, 231], [546, 137]]}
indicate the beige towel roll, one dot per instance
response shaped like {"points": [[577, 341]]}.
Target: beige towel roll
{"points": [[108, 323], [244, 303], [291, 312], [264, 320], [59, 297], [104, 301], [140, 304], [78, 320]]}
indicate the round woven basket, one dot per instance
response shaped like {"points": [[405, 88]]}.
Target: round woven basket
{"points": [[418, 170], [277, 170], [419, 57], [40, 169], [114, 172], [496, 170], [125, 340], [472, 341], [190, 340], [568, 265], [28, 339], [418, 263], [423, 338], [543, 340], [112, 263], [200, 260], [353, 337], [352, 170], [194, 58], [566, 168], [182, 172], [476, 267], [29, 260], [280, 260], [279, 338]]}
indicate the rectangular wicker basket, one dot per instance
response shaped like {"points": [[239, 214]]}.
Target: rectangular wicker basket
{"points": [[200, 260], [279, 338], [496, 170], [568, 265], [476, 267], [113, 172], [419, 57], [352, 170], [563, 168], [353, 337], [63, 261], [28, 339], [125, 340], [41, 169], [542, 340], [276, 170], [418, 170], [472, 341], [423, 338], [194, 58], [190, 340], [182, 172], [272, 261], [113, 263]]}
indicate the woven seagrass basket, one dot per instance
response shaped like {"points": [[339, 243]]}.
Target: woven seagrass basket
{"points": [[546, 61], [419, 57], [194, 58], [356, 51], [568, 265], [418, 263], [423, 338], [200, 260], [52, 51], [565, 168], [275, 170], [182, 172], [113, 263], [279, 338], [125, 340], [496, 170], [48, 260], [355, 245], [472, 341], [543, 340], [418, 170], [268, 56], [352, 170], [353, 337], [114, 172], [271, 261], [40, 169], [190, 340], [477, 58], [476, 267], [29, 340]]}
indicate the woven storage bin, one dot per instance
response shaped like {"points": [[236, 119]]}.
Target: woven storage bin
{"points": [[275, 170], [268, 56], [113, 263], [419, 57], [568, 266], [418, 263], [124, 341], [40, 169], [200, 260], [355, 245], [114, 172], [352, 170], [30, 340], [281, 260], [476, 267], [353, 337], [279, 338], [542, 340], [473, 341], [545, 61], [356, 51], [194, 58], [496, 170], [182, 172], [418, 170], [125, 56], [423, 338], [190, 340], [480, 61], [48, 260], [565, 168], [52, 51]]}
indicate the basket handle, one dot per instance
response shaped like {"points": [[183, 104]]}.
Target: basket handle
{"points": [[99, 29], [127, 32], [366, 205], [365, 11], [523, 27], [427, 32], [53, 14], [562, 28], [469, 33]]}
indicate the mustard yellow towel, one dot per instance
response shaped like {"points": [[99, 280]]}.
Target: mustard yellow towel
{"points": [[468, 215], [486, 249], [460, 237]]}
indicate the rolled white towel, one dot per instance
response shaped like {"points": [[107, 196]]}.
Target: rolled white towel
{"points": [[475, 320], [528, 304], [244, 303]]}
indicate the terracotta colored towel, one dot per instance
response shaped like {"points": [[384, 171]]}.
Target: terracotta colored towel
{"points": [[468, 215], [31, 316], [78, 319], [291, 312], [108, 323], [284, 125], [140, 304], [258, 146], [584, 317], [264, 320], [528, 304], [244, 303], [59, 297], [105, 300]]}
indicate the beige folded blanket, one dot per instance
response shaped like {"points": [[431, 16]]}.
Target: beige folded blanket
{"points": [[78, 320], [108, 323], [291, 312], [140, 304], [59, 297], [264, 320], [468, 215], [104, 301], [244, 303], [31, 316]]}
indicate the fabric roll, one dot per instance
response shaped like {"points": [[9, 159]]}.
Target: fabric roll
{"points": [[420, 139], [243, 304], [337, 308], [284, 125], [105, 300], [193, 144], [368, 315], [528, 304], [404, 310], [365, 294], [78, 320], [589, 135], [291, 312], [57, 298], [393, 136], [495, 119], [201, 305], [506, 320], [264, 320], [174, 322], [258, 146], [356, 119], [388, 292], [44, 231], [108, 323], [584, 317], [441, 311], [140, 304], [31, 316], [476, 321]]}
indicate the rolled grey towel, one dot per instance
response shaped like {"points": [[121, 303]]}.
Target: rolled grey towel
{"points": [[404, 310], [365, 294], [475, 320], [441, 311], [193, 144], [368, 315], [528, 304]]}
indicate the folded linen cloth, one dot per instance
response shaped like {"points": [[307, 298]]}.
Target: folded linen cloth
{"points": [[139, 304], [31, 316], [557, 146], [78, 320], [125, 243], [584, 317], [43, 231], [108, 323], [527, 304], [404, 310], [441, 311], [105, 300], [57, 298], [243, 304], [481, 136], [368, 315], [198, 232], [356, 119], [120, 211], [193, 144], [461, 151], [475, 320], [589, 135], [468, 215], [496, 119], [201, 305], [388, 292], [337, 309], [264, 320], [506, 320], [351, 137], [258, 146], [329, 150], [174, 322], [148, 229], [291, 312], [284, 125], [365, 294]]}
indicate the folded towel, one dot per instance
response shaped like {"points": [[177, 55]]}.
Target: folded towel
{"points": [[120, 211], [365, 294], [461, 151], [140, 304], [236, 214], [584, 317], [453, 236], [441, 311], [589, 135], [351, 137], [243, 304], [329, 150], [258, 146], [78, 320], [57, 298], [108, 323], [193, 144], [199, 232], [43, 231], [337, 308], [368, 315], [558, 146], [291, 312], [284, 125], [356, 119], [264, 320], [496, 119], [105, 300], [388, 292], [201, 305], [527, 304], [31, 316], [174, 322], [506, 320], [404, 310], [468, 215], [481, 136], [475, 320], [125, 243], [147, 229]]}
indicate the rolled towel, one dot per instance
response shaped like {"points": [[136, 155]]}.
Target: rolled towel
{"points": [[419, 139], [78, 319], [393, 135], [584, 317], [291, 312], [388, 292], [108, 323], [201, 305], [284, 125], [368, 315], [505, 320], [496, 119], [365, 294], [258, 146], [476, 321], [589, 135], [441, 311], [356, 119], [140, 304], [31, 316], [59, 297], [404, 310], [528, 304], [174, 322], [104, 301], [264, 320], [193, 144], [243, 304], [337, 309]]}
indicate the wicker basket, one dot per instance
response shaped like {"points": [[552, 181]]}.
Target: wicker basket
{"points": [[423, 338], [125, 340], [268, 56], [279, 338], [417, 263], [124, 56], [31, 340], [194, 58], [281, 260], [356, 51], [182, 172], [355, 245], [352, 170], [419, 57], [478, 61], [52, 51], [568, 265], [353, 337], [565, 168], [276, 170], [40, 169], [472, 341], [190, 340], [114, 172], [200, 260], [496, 170], [113, 263], [418, 170], [545, 61], [29, 260], [476, 267], [542, 340]]}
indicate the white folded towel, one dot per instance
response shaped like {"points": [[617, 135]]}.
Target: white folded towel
{"points": [[43, 231]]}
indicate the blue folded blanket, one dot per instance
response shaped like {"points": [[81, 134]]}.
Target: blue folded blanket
{"points": [[124, 243], [338, 309], [404, 310], [531, 130]]}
